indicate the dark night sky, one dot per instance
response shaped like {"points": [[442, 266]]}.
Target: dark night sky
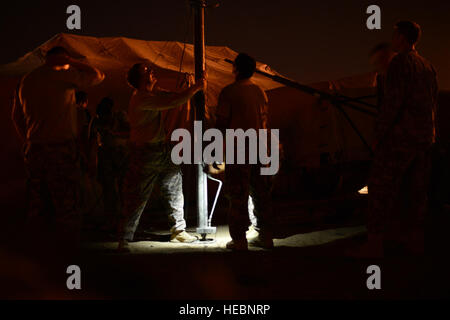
{"points": [[306, 40]]}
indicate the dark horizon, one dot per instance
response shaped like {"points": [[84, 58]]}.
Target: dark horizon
{"points": [[306, 41]]}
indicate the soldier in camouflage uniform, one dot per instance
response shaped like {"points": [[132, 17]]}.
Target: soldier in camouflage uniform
{"points": [[45, 116], [405, 132], [83, 119], [243, 105], [150, 160], [111, 130]]}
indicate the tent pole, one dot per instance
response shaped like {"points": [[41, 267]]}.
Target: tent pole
{"points": [[199, 106]]}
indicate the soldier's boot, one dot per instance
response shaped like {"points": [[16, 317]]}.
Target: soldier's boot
{"points": [[252, 233], [263, 240], [182, 237], [123, 246], [237, 245]]}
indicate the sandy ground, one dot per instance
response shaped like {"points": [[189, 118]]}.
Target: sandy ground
{"points": [[216, 242]]}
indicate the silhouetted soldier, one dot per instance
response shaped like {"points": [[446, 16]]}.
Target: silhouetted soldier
{"points": [[46, 103], [83, 120], [244, 105], [84, 116], [112, 133], [150, 160], [405, 132]]}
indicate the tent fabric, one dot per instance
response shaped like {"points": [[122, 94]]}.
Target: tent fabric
{"points": [[115, 55]]}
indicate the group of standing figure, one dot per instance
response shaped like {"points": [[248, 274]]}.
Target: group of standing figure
{"points": [[128, 153], [133, 152]]}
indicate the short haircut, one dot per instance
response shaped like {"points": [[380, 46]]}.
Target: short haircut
{"points": [[57, 51], [104, 108], [245, 65], [81, 97], [410, 30], [134, 74], [380, 47]]}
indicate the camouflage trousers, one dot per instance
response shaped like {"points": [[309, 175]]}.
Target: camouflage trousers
{"points": [[151, 165], [242, 180], [54, 187], [398, 191]]}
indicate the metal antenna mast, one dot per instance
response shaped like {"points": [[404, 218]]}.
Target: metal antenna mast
{"points": [[204, 225]]}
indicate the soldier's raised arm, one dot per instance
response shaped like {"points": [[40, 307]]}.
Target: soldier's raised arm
{"points": [[172, 100], [89, 75], [81, 74]]}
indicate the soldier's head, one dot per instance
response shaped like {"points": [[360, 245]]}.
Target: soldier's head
{"points": [[380, 57], [81, 99], [105, 108], [141, 76], [406, 35], [244, 66], [57, 57]]}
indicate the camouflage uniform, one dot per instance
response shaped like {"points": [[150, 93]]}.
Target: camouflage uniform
{"points": [[150, 165], [45, 102], [243, 105], [54, 186], [380, 90], [242, 181], [150, 161], [112, 164], [405, 132], [84, 119]]}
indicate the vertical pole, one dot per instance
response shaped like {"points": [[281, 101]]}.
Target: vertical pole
{"points": [[199, 54], [200, 105]]}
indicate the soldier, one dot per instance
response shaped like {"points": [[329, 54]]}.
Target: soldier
{"points": [[45, 115], [243, 105], [83, 120], [84, 116], [84, 148], [405, 132], [150, 160], [111, 130]]}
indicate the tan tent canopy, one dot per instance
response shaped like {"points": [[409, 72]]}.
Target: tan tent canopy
{"points": [[116, 55]]}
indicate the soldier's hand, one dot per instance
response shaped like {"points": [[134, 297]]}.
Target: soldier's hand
{"points": [[215, 168], [199, 85], [59, 60], [202, 84]]}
